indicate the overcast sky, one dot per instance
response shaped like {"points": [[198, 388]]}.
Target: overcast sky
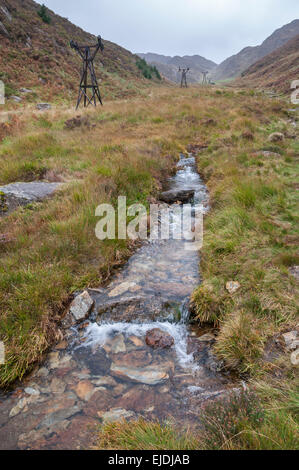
{"points": [[215, 29]]}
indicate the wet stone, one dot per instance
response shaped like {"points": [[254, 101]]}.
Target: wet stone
{"points": [[148, 375], [121, 289], [158, 339], [117, 414], [98, 363], [31, 391], [135, 358], [115, 345], [57, 385], [84, 390], [58, 416], [104, 381]]}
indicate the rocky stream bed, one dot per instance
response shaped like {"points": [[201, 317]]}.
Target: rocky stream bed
{"points": [[113, 365]]}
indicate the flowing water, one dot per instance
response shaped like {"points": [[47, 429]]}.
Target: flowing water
{"points": [[105, 371]]}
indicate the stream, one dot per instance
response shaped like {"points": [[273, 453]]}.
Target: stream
{"points": [[105, 371]]}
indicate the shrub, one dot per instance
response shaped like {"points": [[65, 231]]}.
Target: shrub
{"points": [[42, 13], [226, 420]]}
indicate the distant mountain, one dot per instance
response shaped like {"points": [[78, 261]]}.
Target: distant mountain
{"points": [[168, 66], [236, 64], [276, 70]]}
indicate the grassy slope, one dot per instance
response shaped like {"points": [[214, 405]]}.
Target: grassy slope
{"points": [[250, 233], [276, 70], [37, 56]]}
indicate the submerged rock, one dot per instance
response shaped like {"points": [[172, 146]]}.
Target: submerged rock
{"points": [[18, 408], [121, 289], [31, 391], [117, 414], [84, 390], [98, 363], [147, 375], [158, 339]]}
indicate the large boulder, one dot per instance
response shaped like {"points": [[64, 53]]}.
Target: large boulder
{"points": [[174, 195]]}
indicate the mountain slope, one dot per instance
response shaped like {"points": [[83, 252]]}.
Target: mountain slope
{"points": [[276, 70], [236, 64], [168, 66], [37, 55]]}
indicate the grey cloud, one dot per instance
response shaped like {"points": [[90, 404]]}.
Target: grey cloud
{"points": [[214, 29]]}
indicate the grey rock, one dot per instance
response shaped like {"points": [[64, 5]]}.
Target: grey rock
{"points": [[59, 416], [290, 338], [17, 99], [43, 106], [30, 192], [121, 289], [81, 306], [32, 391], [25, 90], [294, 271], [6, 13]]}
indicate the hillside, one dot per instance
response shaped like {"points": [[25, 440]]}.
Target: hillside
{"points": [[168, 66], [277, 70], [236, 64], [36, 55]]}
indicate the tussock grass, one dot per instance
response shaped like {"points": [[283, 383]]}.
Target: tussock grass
{"points": [[143, 435]]}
